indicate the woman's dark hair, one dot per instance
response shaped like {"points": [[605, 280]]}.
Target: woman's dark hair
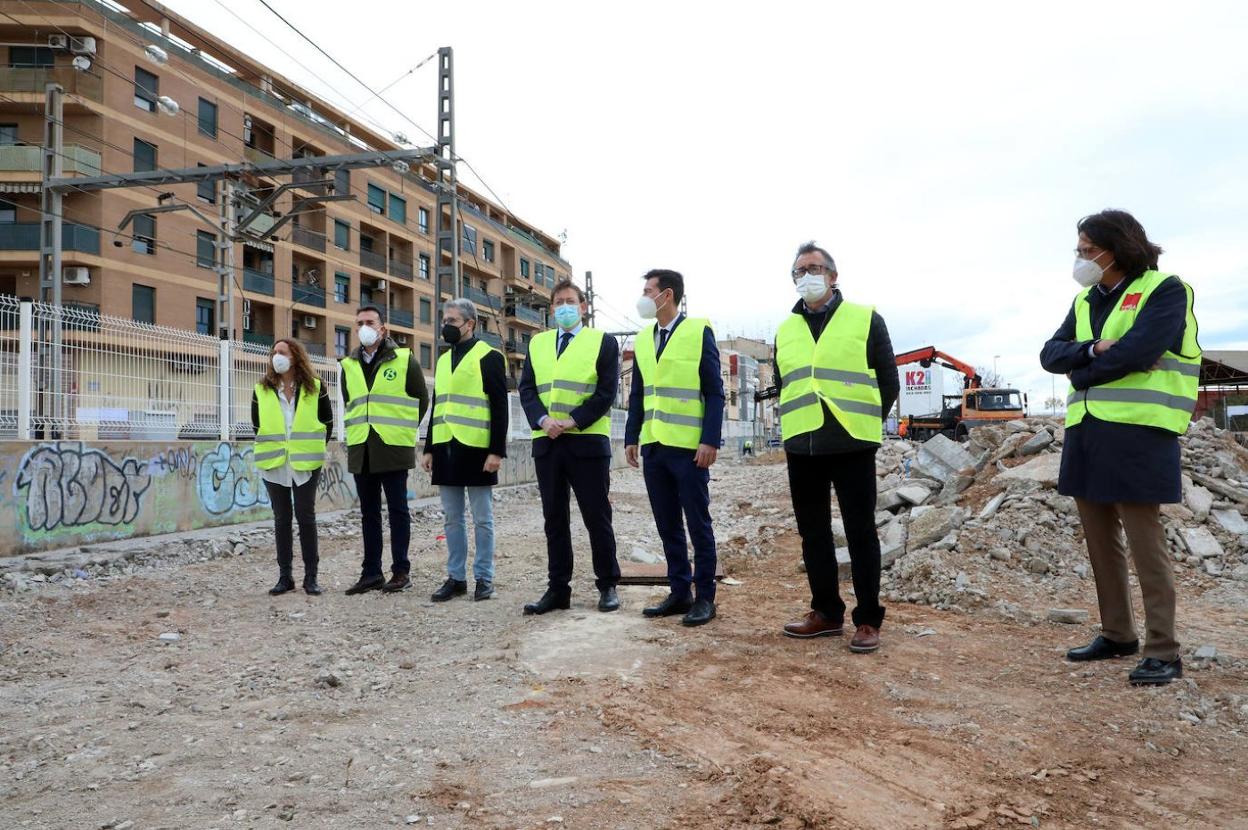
{"points": [[1119, 233], [305, 376]]}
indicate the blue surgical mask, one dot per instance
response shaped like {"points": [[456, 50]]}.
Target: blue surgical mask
{"points": [[567, 316]]}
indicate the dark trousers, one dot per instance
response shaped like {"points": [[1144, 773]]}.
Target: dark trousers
{"points": [[676, 485], [304, 501], [559, 471], [811, 480], [369, 486]]}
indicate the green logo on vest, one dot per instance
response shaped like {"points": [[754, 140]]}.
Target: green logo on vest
{"points": [[390, 374]]}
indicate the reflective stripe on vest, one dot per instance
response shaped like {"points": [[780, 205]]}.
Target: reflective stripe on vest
{"points": [[1163, 396], [832, 372], [386, 408], [460, 408], [304, 448], [672, 388], [566, 381]]}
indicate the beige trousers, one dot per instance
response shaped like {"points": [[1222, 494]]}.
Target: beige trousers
{"points": [[1103, 526]]}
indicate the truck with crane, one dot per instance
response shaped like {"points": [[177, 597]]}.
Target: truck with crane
{"points": [[975, 405]]}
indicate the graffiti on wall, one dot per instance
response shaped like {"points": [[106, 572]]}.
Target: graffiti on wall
{"points": [[227, 480], [69, 485]]}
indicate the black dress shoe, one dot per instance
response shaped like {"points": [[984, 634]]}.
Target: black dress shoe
{"points": [[1153, 671], [484, 589], [311, 588], [702, 612], [669, 607], [450, 588], [609, 599], [366, 583], [284, 584], [550, 601], [398, 581], [1102, 649]]}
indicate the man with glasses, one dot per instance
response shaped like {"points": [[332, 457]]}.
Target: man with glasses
{"points": [[838, 379]]}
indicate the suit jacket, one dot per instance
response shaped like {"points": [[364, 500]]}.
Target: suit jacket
{"points": [[712, 386], [595, 406]]}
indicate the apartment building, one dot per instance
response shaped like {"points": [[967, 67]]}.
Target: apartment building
{"points": [[304, 281]]}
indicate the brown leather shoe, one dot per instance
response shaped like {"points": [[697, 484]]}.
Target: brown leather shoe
{"points": [[814, 624], [866, 639], [398, 581]]}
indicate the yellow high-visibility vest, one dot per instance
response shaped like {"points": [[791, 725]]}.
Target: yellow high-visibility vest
{"points": [[460, 408], [567, 381], [672, 398], [386, 408], [304, 447]]}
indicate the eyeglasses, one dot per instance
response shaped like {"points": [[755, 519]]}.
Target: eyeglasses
{"points": [[815, 270], [1090, 252]]}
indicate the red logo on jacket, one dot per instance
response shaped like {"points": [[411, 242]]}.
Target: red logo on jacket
{"points": [[1130, 302]]}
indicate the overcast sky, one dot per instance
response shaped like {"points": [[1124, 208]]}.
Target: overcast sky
{"points": [[941, 152]]}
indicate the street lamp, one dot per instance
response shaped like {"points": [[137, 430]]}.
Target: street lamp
{"points": [[995, 375]]}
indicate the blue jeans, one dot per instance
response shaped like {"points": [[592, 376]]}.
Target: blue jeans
{"points": [[482, 502]]}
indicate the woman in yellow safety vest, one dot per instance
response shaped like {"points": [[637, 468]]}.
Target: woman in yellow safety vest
{"points": [[293, 419], [1128, 346]]}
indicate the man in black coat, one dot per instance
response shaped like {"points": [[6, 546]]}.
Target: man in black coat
{"points": [[572, 443]]}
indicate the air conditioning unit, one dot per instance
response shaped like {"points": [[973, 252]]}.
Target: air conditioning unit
{"points": [[58, 41], [381, 285], [246, 322], [76, 275], [309, 321], [82, 45], [401, 339]]}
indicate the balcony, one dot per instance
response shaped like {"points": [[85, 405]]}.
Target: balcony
{"points": [[312, 295], [483, 299], [24, 236], [314, 349], [28, 158], [259, 282], [35, 79], [400, 268], [373, 260], [256, 155], [491, 339], [527, 315], [258, 339], [402, 317], [308, 238], [514, 347]]}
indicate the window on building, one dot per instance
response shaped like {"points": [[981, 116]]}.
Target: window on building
{"points": [[143, 303], [205, 249], [205, 310], [426, 310], [342, 287], [342, 235], [144, 241], [207, 189], [342, 182], [366, 294], [342, 341], [468, 245], [422, 219], [539, 273], [8, 213], [424, 266], [524, 268], [8, 133], [146, 89], [207, 118], [426, 356], [487, 250], [376, 199], [398, 209], [144, 155], [26, 56]]}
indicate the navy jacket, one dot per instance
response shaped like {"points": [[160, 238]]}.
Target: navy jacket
{"points": [[712, 391], [595, 406], [1109, 462]]}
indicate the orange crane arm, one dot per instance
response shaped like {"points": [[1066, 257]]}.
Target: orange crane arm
{"points": [[929, 355]]}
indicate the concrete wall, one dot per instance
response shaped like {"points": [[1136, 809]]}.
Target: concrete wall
{"points": [[65, 493]]}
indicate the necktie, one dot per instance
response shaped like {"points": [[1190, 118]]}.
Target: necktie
{"points": [[663, 333], [563, 342]]}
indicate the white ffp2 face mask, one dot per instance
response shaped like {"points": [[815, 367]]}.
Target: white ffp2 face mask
{"points": [[368, 335], [281, 364], [646, 308], [1086, 272]]}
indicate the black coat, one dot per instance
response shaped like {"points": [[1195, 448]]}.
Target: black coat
{"points": [[456, 464], [375, 455], [596, 406], [831, 438], [1109, 462]]}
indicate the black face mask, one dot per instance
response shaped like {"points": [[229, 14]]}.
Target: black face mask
{"points": [[450, 333]]}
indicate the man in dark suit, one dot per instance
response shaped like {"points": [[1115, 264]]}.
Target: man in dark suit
{"points": [[675, 416], [566, 388]]}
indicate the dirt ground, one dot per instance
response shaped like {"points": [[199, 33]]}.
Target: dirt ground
{"points": [[390, 711]]}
